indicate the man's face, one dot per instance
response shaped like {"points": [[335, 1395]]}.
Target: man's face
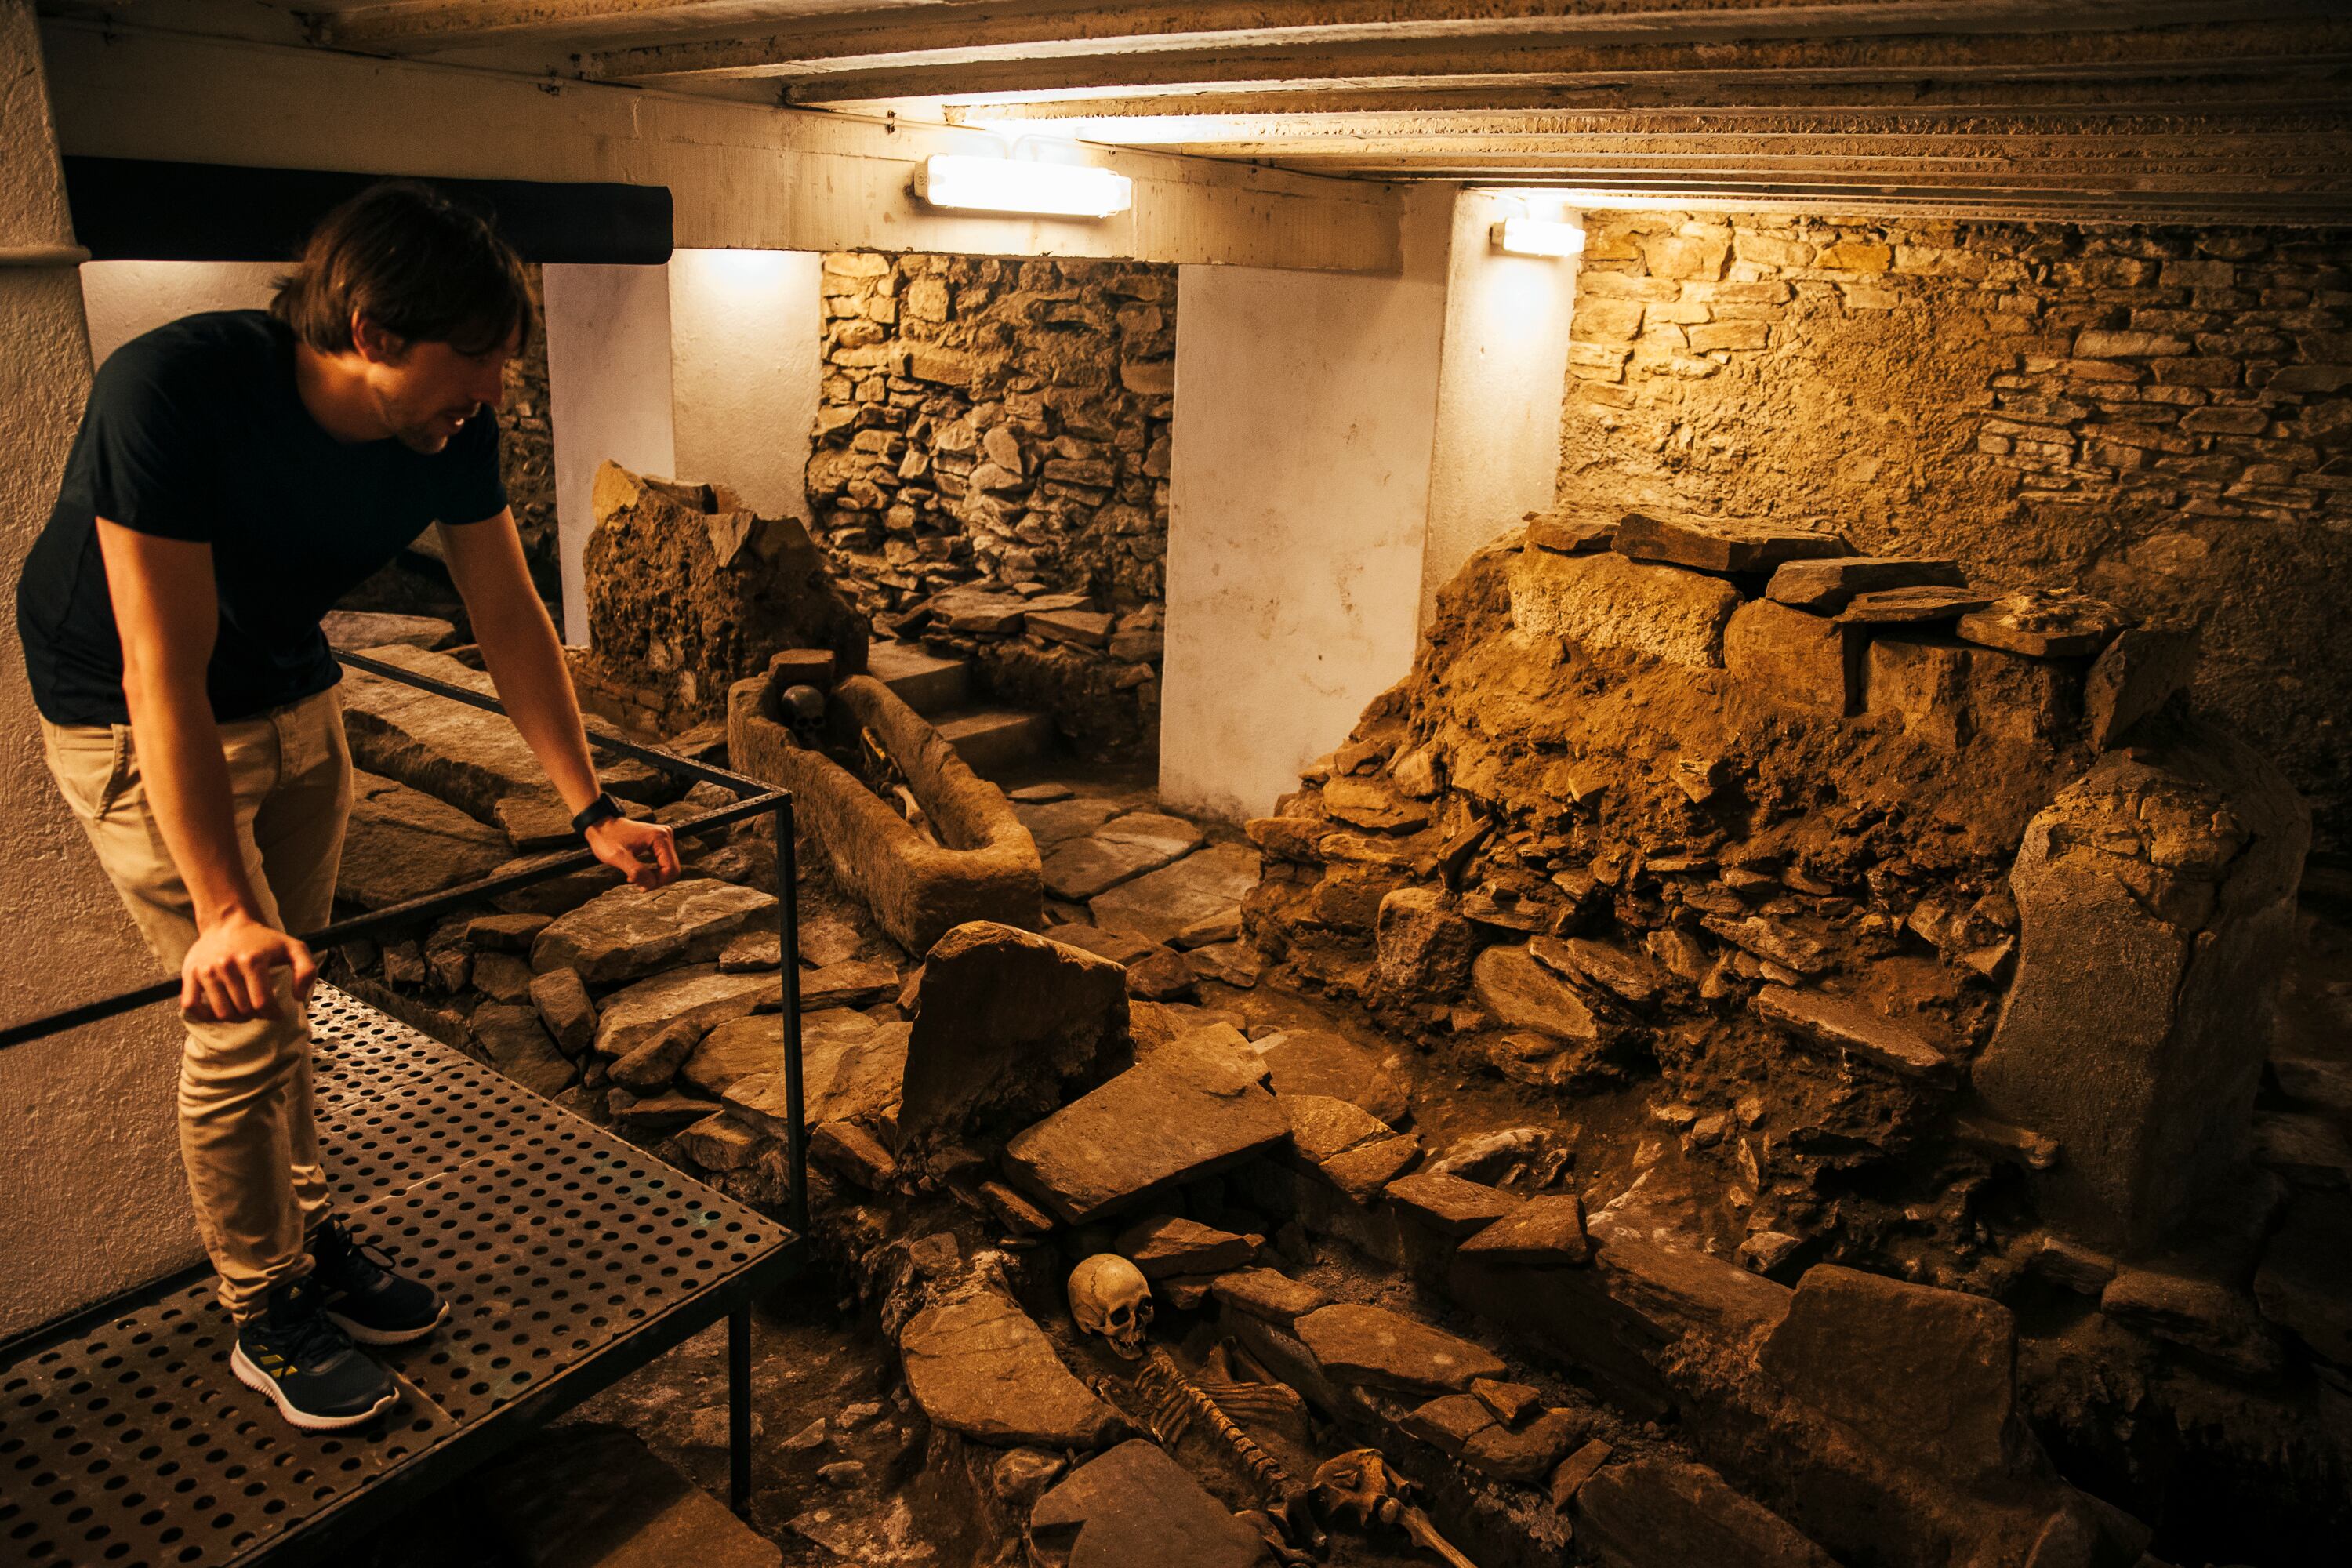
{"points": [[424, 392]]}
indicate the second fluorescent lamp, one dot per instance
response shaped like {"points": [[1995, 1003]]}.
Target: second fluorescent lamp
{"points": [[1019, 185], [1534, 236]]}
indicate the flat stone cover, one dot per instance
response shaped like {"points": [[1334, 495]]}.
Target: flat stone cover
{"points": [[981, 1368], [1137, 1508], [1665, 1510], [1165, 1121], [698, 990]]}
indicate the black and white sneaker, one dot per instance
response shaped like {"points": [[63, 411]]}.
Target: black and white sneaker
{"points": [[293, 1352], [375, 1304]]}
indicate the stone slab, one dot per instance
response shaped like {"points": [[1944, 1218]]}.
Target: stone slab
{"points": [[1375, 1347], [2045, 625], [627, 933], [1122, 848], [402, 843], [1795, 656], [1156, 1125], [980, 1367], [1523, 994], [1268, 1295], [1721, 545], [1160, 904], [1660, 1512], [1840, 1025], [1137, 1508], [1924, 1374], [382, 628], [1357, 1152], [1545, 1230], [1165, 1244], [1826, 586], [844, 1077], [1317, 1061], [2138, 674], [511, 1036], [1911, 606], [1631, 978], [1450, 1205], [1058, 821], [1571, 535], [698, 990]]}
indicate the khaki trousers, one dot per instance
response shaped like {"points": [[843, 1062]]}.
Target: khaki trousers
{"points": [[247, 1133]]}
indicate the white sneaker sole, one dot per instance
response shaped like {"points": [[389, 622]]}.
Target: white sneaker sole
{"points": [[365, 1335], [261, 1382]]}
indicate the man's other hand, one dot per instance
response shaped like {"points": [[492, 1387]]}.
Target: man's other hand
{"points": [[229, 975], [644, 852]]}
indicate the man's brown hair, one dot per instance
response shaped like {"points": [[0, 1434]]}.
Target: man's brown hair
{"points": [[412, 262]]}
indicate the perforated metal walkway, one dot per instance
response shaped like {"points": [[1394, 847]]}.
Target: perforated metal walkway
{"points": [[568, 1260]]}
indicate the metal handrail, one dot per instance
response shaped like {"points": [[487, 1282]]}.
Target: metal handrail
{"points": [[758, 797]]}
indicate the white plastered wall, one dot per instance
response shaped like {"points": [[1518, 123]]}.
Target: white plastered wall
{"points": [[124, 299], [747, 327], [608, 388], [96, 1202], [1500, 387], [1306, 414]]}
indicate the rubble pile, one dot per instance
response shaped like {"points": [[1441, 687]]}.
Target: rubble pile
{"points": [[991, 470], [1726, 1064]]}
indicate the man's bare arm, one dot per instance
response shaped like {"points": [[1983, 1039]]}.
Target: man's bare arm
{"points": [[167, 614], [526, 663]]}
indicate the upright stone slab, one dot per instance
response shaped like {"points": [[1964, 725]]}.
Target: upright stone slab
{"points": [[1926, 1375], [1009, 1025], [1660, 1512], [2157, 898], [1794, 657]]}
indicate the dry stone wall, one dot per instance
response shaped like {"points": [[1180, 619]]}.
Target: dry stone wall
{"points": [[1004, 427], [2161, 416]]}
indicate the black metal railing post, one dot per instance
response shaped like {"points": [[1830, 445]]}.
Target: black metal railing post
{"points": [[787, 928]]}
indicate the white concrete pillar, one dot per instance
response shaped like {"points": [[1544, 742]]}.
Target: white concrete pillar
{"points": [[96, 1203], [1305, 415], [746, 331], [1500, 387], [608, 387]]}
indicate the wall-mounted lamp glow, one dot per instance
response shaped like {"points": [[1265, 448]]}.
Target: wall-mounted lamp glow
{"points": [[1019, 185], [1533, 237]]}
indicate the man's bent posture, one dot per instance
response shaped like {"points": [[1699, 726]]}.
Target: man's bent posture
{"points": [[235, 475]]}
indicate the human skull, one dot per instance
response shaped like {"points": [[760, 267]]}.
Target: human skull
{"points": [[1108, 1296]]}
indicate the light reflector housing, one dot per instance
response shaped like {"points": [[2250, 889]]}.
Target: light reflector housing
{"points": [[1535, 237], [1019, 185]]}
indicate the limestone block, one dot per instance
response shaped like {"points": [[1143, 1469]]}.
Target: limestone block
{"points": [[1375, 1347], [1009, 1024], [982, 1367], [1523, 994], [1794, 656], [1609, 602], [1137, 1508], [1684, 256], [1826, 585], [2156, 895], [1923, 682], [2033, 701]]}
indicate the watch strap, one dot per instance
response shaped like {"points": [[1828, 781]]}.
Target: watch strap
{"points": [[603, 808]]}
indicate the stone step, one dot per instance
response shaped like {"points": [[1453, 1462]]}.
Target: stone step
{"points": [[927, 683], [993, 742]]}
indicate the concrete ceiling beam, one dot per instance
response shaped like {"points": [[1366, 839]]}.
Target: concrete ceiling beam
{"points": [[830, 27], [1192, 61]]}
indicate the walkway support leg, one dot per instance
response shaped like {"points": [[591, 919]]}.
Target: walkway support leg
{"points": [[738, 1411]]}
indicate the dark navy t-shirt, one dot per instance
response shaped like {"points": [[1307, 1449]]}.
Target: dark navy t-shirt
{"points": [[195, 431]]}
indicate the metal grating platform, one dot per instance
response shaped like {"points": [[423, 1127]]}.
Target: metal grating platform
{"points": [[568, 1260]]}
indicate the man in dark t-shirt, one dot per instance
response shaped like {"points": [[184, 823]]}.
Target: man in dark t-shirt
{"points": [[235, 473]]}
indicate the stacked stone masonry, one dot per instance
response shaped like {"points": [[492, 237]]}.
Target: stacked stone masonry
{"points": [[998, 431], [2160, 415]]}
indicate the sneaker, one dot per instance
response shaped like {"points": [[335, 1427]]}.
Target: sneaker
{"points": [[293, 1352], [374, 1304]]}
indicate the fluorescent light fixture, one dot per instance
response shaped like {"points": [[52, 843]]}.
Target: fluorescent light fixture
{"points": [[1533, 237], [1019, 185]]}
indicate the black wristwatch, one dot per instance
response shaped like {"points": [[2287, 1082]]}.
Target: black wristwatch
{"points": [[603, 808]]}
